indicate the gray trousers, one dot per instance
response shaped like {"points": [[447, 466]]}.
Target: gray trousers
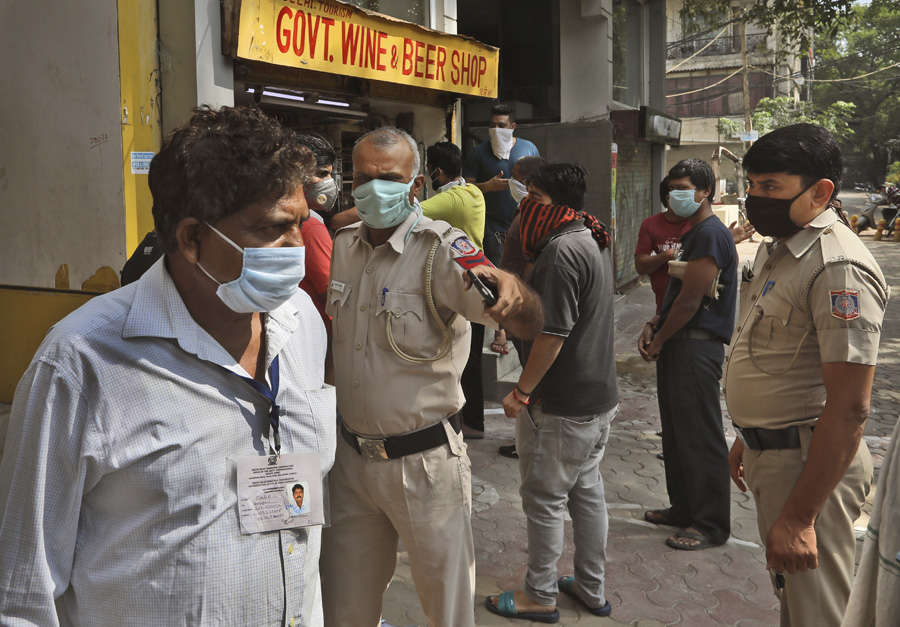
{"points": [[559, 460]]}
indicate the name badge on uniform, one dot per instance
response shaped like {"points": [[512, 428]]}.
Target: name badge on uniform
{"points": [[279, 492]]}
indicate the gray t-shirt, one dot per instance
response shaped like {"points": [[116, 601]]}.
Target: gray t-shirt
{"points": [[574, 278]]}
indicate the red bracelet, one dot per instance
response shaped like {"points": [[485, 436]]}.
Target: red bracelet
{"points": [[517, 392]]}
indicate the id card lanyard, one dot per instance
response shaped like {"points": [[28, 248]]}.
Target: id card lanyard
{"points": [[271, 394]]}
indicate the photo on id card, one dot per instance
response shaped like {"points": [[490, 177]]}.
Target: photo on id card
{"points": [[279, 492]]}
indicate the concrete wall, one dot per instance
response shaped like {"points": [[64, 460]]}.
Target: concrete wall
{"points": [[193, 70], [61, 190], [585, 51]]}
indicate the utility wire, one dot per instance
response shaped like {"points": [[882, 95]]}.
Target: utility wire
{"points": [[831, 80], [708, 44], [694, 91]]}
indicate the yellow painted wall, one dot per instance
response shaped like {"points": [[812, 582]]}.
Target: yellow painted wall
{"points": [[140, 109], [25, 316]]}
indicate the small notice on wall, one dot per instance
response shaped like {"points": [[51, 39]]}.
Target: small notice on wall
{"points": [[140, 162]]}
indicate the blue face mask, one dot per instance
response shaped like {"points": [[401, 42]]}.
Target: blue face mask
{"points": [[681, 201], [383, 204], [269, 277]]}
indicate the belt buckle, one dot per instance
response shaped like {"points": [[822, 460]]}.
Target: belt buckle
{"points": [[371, 448]]}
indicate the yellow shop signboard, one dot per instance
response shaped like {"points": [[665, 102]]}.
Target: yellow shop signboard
{"points": [[331, 36]]}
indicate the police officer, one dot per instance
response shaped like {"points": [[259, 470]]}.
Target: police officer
{"points": [[799, 376], [399, 303]]}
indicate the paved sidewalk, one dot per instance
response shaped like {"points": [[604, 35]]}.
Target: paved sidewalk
{"points": [[647, 582]]}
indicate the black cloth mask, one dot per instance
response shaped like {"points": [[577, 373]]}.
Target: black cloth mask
{"points": [[772, 216], [435, 183]]}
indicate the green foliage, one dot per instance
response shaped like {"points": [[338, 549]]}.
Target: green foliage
{"points": [[772, 113], [794, 19], [893, 175], [869, 43]]}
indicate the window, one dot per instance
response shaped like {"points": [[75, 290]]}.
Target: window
{"points": [[415, 11]]}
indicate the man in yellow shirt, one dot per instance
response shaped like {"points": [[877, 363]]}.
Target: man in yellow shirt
{"points": [[455, 201], [462, 205]]}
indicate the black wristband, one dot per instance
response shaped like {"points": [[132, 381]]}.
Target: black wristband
{"points": [[520, 391]]}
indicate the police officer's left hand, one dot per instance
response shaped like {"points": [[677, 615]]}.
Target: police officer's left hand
{"points": [[510, 291], [791, 546]]}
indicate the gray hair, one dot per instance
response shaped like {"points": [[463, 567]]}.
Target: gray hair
{"points": [[388, 136]]}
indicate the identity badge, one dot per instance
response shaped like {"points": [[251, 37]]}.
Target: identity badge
{"points": [[279, 492]]}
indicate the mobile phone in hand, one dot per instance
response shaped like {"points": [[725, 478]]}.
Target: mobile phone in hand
{"points": [[487, 294]]}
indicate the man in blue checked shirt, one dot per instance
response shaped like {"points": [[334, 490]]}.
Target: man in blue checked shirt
{"points": [[119, 480]]}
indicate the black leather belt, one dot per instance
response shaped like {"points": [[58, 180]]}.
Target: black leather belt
{"points": [[760, 439], [395, 446], [695, 334]]}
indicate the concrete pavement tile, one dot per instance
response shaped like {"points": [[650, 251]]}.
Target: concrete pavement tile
{"points": [[733, 607], [630, 605], [693, 615]]}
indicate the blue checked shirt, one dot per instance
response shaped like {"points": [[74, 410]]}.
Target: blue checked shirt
{"points": [[117, 481]]}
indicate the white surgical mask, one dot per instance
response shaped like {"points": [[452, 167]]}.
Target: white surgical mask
{"points": [[269, 277], [682, 203], [502, 141], [517, 189]]}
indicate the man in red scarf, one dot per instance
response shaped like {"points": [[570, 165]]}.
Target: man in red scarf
{"points": [[565, 398]]}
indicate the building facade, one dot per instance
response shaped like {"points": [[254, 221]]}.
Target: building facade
{"points": [[704, 78]]}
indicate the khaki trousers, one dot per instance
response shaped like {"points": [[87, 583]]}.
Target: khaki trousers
{"points": [[425, 500], [815, 598]]}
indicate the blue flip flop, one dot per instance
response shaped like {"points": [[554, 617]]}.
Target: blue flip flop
{"points": [[506, 607], [567, 586]]}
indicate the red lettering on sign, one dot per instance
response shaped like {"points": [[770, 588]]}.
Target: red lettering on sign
{"points": [[299, 22], [439, 66], [454, 63], [283, 35], [313, 35], [349, 42], [407, 56], [419, 58], [328, 22], [464, 77], [381, 50], [371, 45], [482, 68], [429, 60]]}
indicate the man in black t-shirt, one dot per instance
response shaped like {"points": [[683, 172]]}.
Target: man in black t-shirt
{"points": [[687, 341]]}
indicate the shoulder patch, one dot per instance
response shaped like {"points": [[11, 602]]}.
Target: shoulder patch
{"points": [[461, 246], [845, 304], [466, 254]]}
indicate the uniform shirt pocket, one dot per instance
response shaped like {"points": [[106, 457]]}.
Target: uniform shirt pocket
{"points": [[404, 312], [777, 337]]}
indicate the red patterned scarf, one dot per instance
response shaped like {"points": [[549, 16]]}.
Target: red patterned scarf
{"points": [[538, 221]]}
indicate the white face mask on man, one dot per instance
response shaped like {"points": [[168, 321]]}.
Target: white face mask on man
{"points": [[502, 141], [269, 277]]}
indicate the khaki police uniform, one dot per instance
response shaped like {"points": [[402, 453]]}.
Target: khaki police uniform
{"points": [[424, 498], [817, 297]]}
